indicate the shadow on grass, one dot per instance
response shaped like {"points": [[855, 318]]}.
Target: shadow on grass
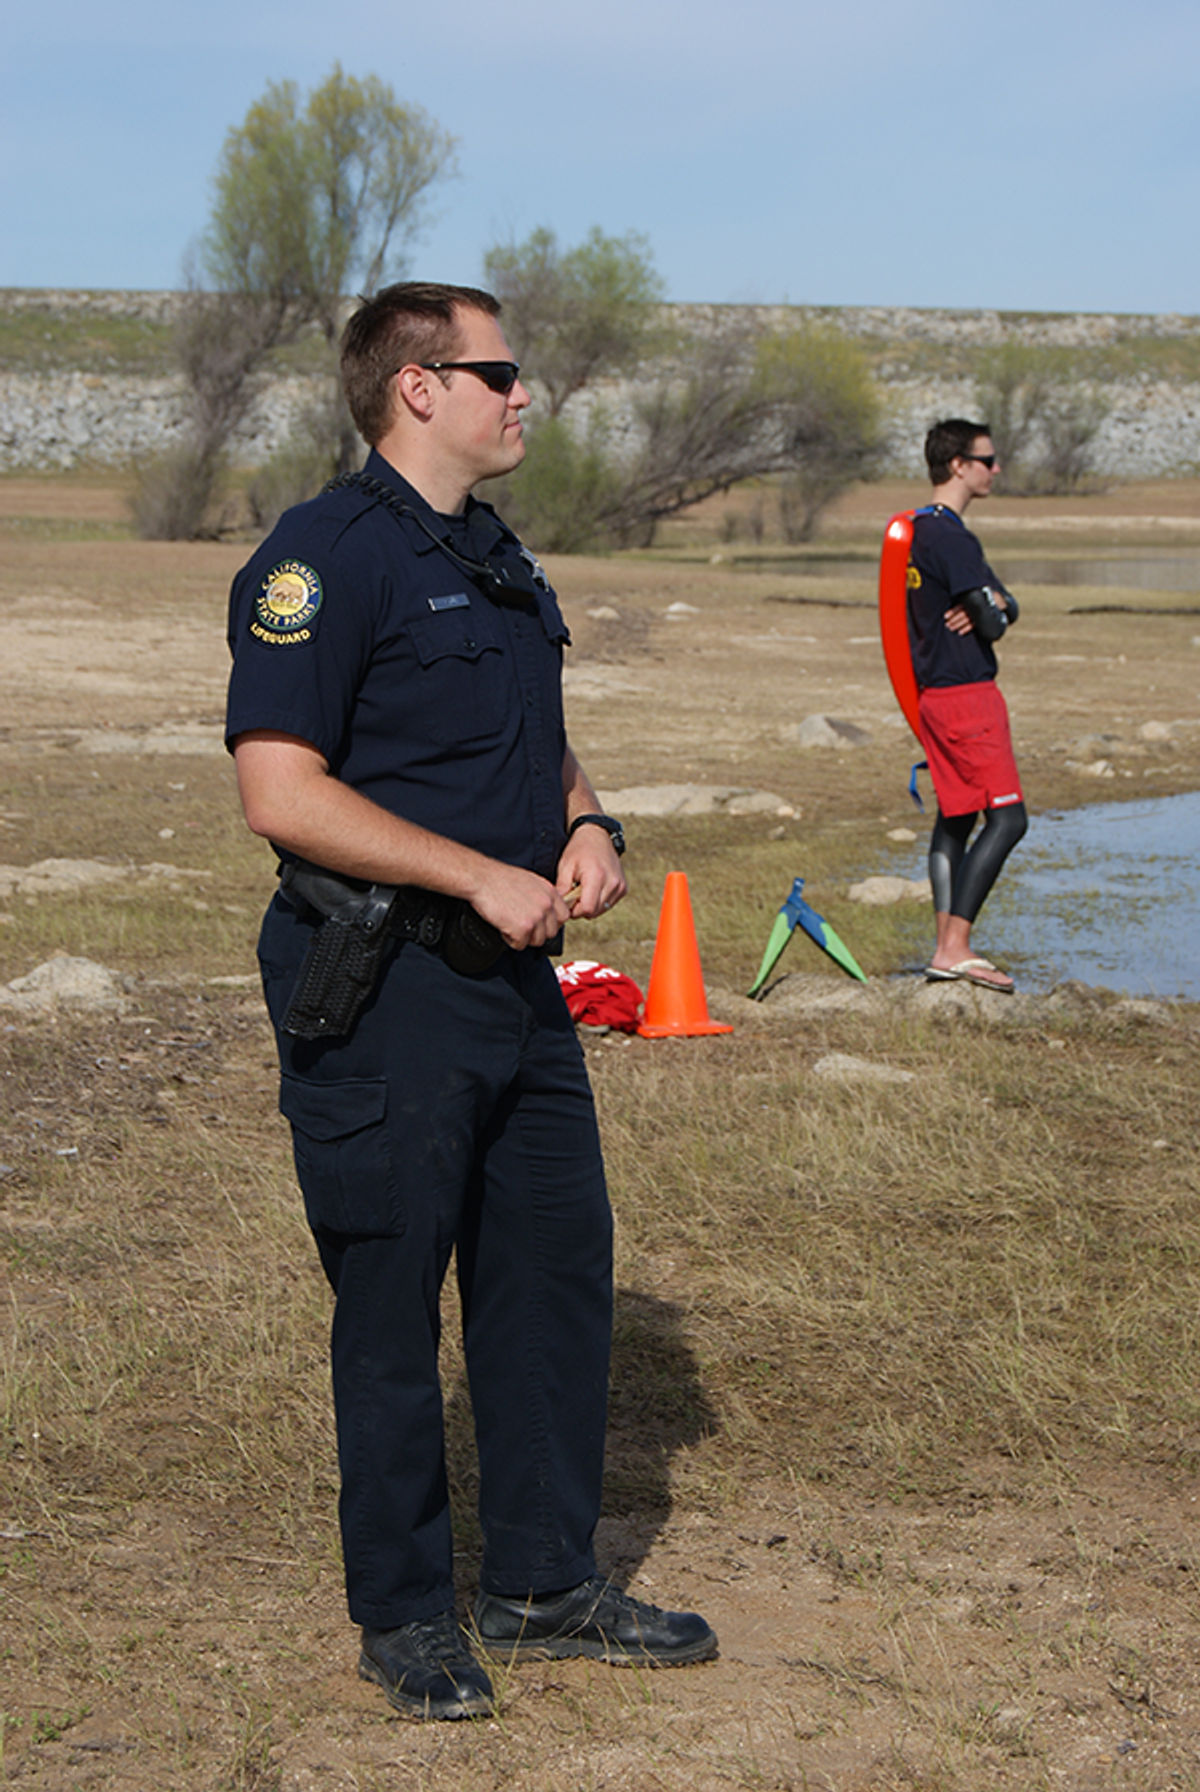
{"points": [[656, 1408]]}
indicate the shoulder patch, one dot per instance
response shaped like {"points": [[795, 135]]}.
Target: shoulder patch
{"points": [[287, 604]]}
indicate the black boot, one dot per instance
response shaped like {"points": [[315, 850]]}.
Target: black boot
{"points": [[427, 1669], [593, 1619]]}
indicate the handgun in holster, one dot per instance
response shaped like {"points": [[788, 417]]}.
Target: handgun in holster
{"points": [[345, 957], [358, 921]]}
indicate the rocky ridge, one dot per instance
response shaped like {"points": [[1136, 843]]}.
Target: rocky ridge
{"points": [[59, 416]]}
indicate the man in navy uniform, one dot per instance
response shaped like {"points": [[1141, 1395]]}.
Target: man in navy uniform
{"points": [[395, 712]]}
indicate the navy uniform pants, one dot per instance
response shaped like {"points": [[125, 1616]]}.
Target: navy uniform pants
{"points": [[458, 1116]]}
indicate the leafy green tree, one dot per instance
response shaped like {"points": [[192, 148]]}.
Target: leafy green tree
{"points": [[312, 197], [316, 198], [575, 315], [567, 487], [826, 412]]}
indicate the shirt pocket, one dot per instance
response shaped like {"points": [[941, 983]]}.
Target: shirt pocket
{"points": [[463, 673], [343, 1155]]}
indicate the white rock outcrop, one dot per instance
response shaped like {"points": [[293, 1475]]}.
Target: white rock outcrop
{"points": [[60, 417]]}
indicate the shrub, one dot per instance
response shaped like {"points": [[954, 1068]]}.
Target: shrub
{"points": [[568, 486], [295, 472], [1043, 414], [175, 495]]}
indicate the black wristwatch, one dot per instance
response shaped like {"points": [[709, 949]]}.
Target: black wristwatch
{"points": [[613, 829]]}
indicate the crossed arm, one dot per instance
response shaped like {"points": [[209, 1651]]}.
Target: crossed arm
{"points": [[971, 613]]}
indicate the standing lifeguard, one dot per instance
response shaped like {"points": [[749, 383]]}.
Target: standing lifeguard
{"points": [[957, 611]]}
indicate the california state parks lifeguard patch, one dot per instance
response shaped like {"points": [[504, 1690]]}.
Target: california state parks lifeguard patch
{"points": [[287, 604]]}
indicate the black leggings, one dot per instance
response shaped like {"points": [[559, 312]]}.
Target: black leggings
{"points": [[962, 876]]}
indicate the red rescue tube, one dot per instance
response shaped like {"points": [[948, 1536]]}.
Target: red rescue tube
{"points": [[893, 614]]}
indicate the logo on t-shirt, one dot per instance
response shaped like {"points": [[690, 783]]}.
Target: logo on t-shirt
{"points": [[287, 604]]}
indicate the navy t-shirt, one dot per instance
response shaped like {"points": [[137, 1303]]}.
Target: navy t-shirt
{"points": [[945, 561], [353, 629]]}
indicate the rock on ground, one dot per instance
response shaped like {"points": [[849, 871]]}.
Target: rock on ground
{"points": [[693, 799], [67, 877], [881, 892], [825, 731], [64, 982], [843, 1067]]}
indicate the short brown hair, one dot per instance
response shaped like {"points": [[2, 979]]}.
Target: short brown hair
{"points": [[412, 321], [952, 438]]}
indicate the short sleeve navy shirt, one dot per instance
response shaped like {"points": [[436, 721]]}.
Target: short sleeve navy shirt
{"points": [[945, 561], [353, 629]]}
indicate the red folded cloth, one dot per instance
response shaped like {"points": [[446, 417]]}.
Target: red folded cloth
{"points": [[598, 996]]}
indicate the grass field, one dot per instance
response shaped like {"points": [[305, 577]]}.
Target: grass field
{"points": [[907, 1355]]}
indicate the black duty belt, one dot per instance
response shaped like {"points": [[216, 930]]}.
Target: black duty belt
{"points": [[357, 921]]}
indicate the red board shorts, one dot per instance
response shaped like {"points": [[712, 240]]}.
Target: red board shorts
{"points": [[965, 734]]}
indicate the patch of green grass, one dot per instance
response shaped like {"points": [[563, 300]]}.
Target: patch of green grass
{"points": [[104, 337], [891, 1280], [42, 339], [50, 1726], [1132, 353]]}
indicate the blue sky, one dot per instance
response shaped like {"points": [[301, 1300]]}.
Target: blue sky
{"points": [[1018, 155]]}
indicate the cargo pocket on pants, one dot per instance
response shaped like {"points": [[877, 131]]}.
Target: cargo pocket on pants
{"points": [[343, 1155]]}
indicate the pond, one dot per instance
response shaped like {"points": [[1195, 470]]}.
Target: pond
{"points": [[1135, 571], [1108, 895], [1167, 572]]}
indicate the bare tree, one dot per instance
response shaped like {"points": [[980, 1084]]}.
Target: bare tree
{"points": [[1071, 422], [221, 342], [1044, 416], [733, 404]]}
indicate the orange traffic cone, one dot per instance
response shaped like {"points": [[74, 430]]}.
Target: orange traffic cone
{"points": [[675, 1001]]}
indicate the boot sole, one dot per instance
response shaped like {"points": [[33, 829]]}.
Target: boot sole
{"points": [[615, 1655]]}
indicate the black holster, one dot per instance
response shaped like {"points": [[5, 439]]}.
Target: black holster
{"points": [[358, 923]]}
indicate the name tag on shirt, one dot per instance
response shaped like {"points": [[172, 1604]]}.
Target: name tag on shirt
{"points": [[457, 600]]}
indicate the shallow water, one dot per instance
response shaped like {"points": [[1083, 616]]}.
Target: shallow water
{"points": [[1149, 572], [1108, 895], [1165, 572]]}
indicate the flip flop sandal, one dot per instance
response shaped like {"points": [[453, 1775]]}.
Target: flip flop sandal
{"points": [[965, 972]]}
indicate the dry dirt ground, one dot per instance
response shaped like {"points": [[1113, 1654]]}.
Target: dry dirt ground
{"points": [[1050, 1638]]}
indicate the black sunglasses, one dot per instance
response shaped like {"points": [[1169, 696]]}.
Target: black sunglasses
{"points": [[985, 460], [497, 376]]}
